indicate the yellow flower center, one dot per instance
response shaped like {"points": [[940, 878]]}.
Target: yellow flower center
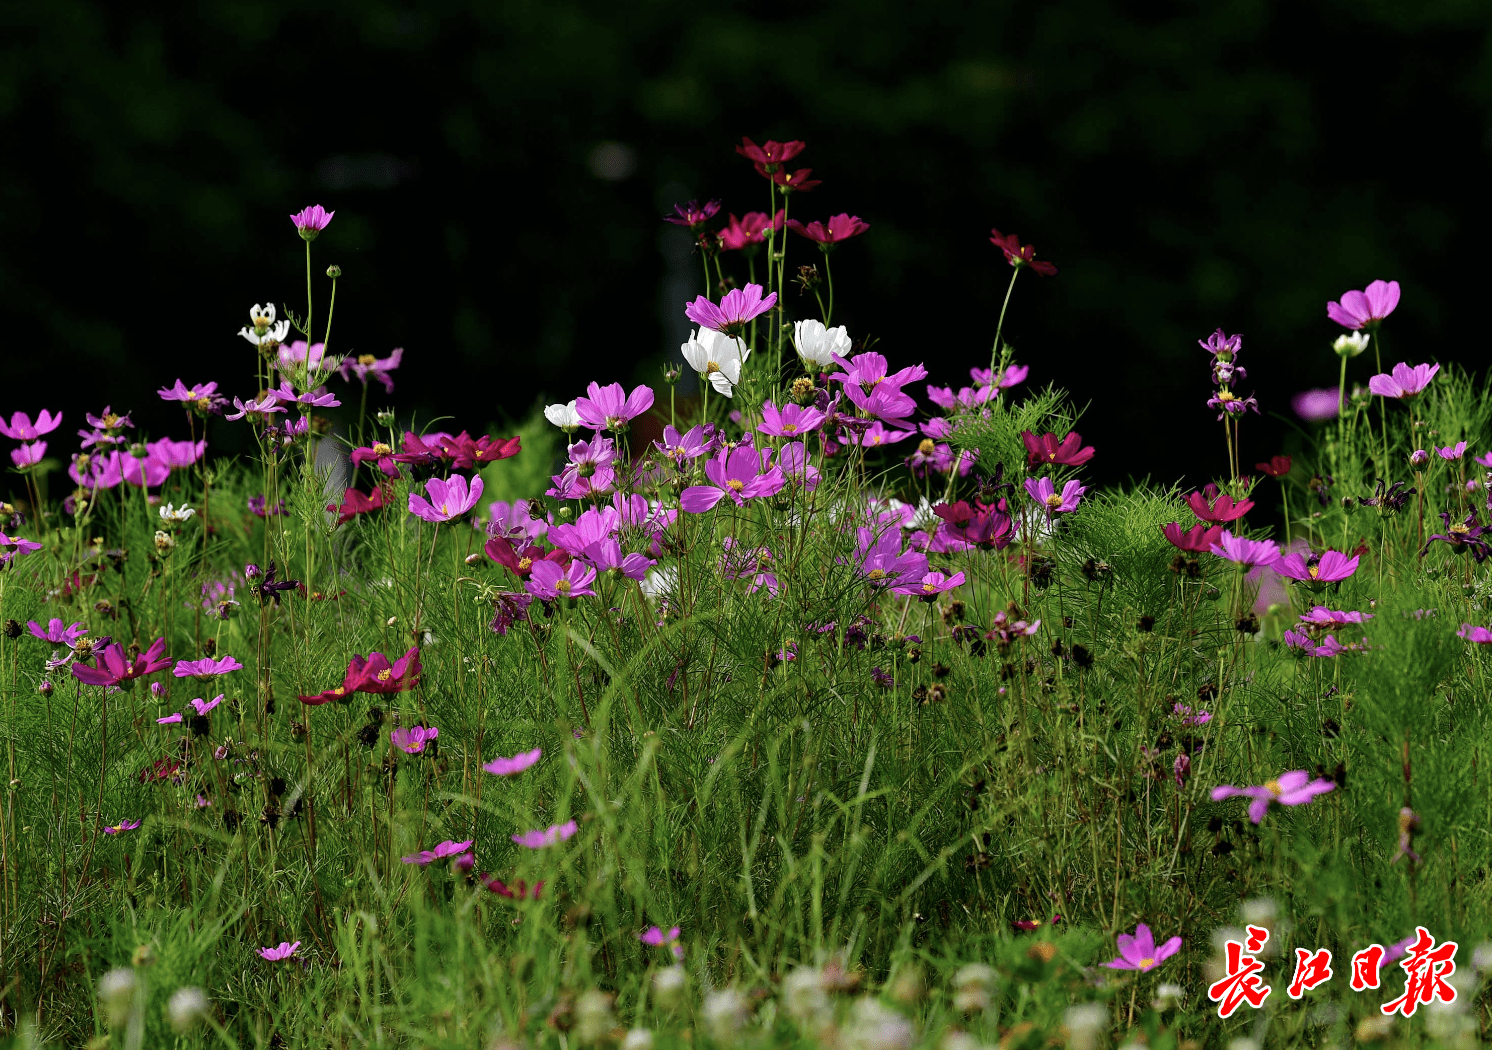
{"points": [[339, 690], [736, 485], [366, 359], [791, 428], [380, 449], [1054, 501], [877, 574], [524, 563], [1273, 787], [1460, 529], [711, 366], [384, 675], [1225, 396], [929, 588], [1313, 570], [926, 446], [1145, 964], [563, 586]]}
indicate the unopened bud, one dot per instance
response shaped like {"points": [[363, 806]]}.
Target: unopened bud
{"points": [[334, 271], [1418, 458]]}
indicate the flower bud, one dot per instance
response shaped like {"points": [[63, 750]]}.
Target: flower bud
{"points": [[251, 571], [1418, 458], [12, 629], [385, 417], [46, 687], [334, 271], [164, 541], [1350, 345], [186, 1008]]}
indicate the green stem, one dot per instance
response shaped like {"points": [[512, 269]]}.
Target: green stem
{"points": [[829, 277], [308, 304], [1000, 326], [326, 340]]}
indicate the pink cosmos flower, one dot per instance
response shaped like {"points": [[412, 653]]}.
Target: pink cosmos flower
{"points": [[1045, 493], [606, 556], [1365, 309], [299, 356], [28, 455], [1321, 617], [694, 214], [1472, 633], [790, 420], [365, 366], [412, 741], [930, 586], [839, 228], [1291, 789], [176, 455], [202, 396], [204, 670], [1010, 375], [610, 408], [284, 951], [735, 473], [1139, 952], [506, 767], [1452, 453], [1047, 449], [882, 562], [1328, 648], [13, 546], [1197, 539], [449, 498], [203, 706], [259, 410], [655, 936], [878, 434], [1247, 553], [1318, 404], [737, 309], [318, 398], [169, 720], [550, 581], [698, 440], [1330, 567], [550, 836], [750, 229], [123, 825], [22, 429], [770, 155], [445, 849], [594, 525], [113, 668], [516, 521], [310, 222], [1405, 382], [56, 633]]}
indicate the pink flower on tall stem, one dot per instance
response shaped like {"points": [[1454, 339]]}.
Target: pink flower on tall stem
{"points": [[750, 229], [1367, 308], [449, 498], [1450, 452], [113, 667], [771, 155], [929, 586], [365, 366], [413, 740], [12, 546], [1045, 493], [21, 428], [506, 767], [28, 455], [550, 581], [1140, 952], [123, 825], [207, 669], [610, 407], [734, 473], [694, 214], [790, 420], [1404, 382], [550, 836], [735, 311], [1246, 553], [445, 849], [56, 633], [1290, 789], [309, 222], [1217, 509], [840, 227], [1196, 540], [284, 951], [657, 938], [1329, 567]]}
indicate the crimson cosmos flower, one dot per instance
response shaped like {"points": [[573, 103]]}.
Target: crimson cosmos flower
{"points": [[1197, 540], [520, 562], [373, 675], [795, 181], [355, 503], [693, 215], [1208, 505], [1277, 467], [841, 227], [1020, 256], [749, 229], [114, 668], [519, 890], [1047, 449], [771, 155]]}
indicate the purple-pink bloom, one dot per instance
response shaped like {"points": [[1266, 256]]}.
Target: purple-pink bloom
{"points": [[878, 434], [309, 222], [207, 668], [516, 521], [1230, 404], [263, 407], [412, 741], [56, 633], [1329, 567], [550, 581], [738, 308], [611, 408], [284, 951], [1317, 404], [552, 835], [365, 365], [594, 525], [28, 455], [1403, 382], [203, 706], [698, 440], [318, 398], [176, 454], [1366, 308], [169, 720], [113, 668], [655, 936], [1452, 453], [506, 767], [1322, 617], [789, 421], [606, 556], [22, 429], [693, 214], [448, 848], [1479, 635], [735, 473], [1045, 493], [1246, 552], [883, 562], [929, 586], [448, 498], [11, 546], [1140, 952], [123, 825], [1290, 789], [840, 227]]}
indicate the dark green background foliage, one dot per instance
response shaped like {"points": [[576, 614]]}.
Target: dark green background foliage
{"points": [[1187, 165]]}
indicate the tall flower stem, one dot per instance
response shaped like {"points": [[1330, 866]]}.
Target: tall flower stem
{"points": [[829, 277], [1383, 403], [326, 339], [308, 305], [1000, 325]]}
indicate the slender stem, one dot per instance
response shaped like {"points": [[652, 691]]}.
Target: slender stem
{"points": [[829, 277], [1000, 326], [326, 340], [308, 305]]}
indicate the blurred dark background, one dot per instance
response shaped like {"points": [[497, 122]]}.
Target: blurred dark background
{"points": [[498, 171]]}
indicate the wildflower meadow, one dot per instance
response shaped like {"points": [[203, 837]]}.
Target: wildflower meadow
{"points": [[795, 696]]}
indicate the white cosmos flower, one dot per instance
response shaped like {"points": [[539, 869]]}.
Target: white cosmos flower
{"points": [[171, 512], [716, 356], [563, 416], [817, 344], [264, 328], [1351, 345]]}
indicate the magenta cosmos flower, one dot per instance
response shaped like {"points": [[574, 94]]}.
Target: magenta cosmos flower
{"points": [[1320, 617], [412, 741], [22, 429], [1291, 789], [1140, 952], [839, 228], [1246, 553], [1318, 404], [1404, 382], [658, 938], [284, 951], [790, 420], [1366, 308], [366, 366], [550, 836], [449, 499], [10, 546], [1045, 493], [929, 586], [506, 767], [1472, 633], [551, 581], [28, 455], [1069, 451], [113, 668], [1215, 508], [1197, 539], [749, 229], [310, 222], [735, 473], [739, 307], [203, 670], [56, 633], [1329, 567], [610, 407], [694, 214], [203, 706], [123, 825], [445, 849]]}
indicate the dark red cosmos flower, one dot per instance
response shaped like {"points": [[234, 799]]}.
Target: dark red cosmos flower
{"points": [[694, 214], [1047, 449], [1209, 506], [749, 229], [1277, 467], [160, 769], [982, 525], [839, 228], [355, 503], [521, 562], [1019, 256], [1196, 540], [767, 158], [520, 890], [795, 181], [114, 668], [460, 451], [373, 675]]}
